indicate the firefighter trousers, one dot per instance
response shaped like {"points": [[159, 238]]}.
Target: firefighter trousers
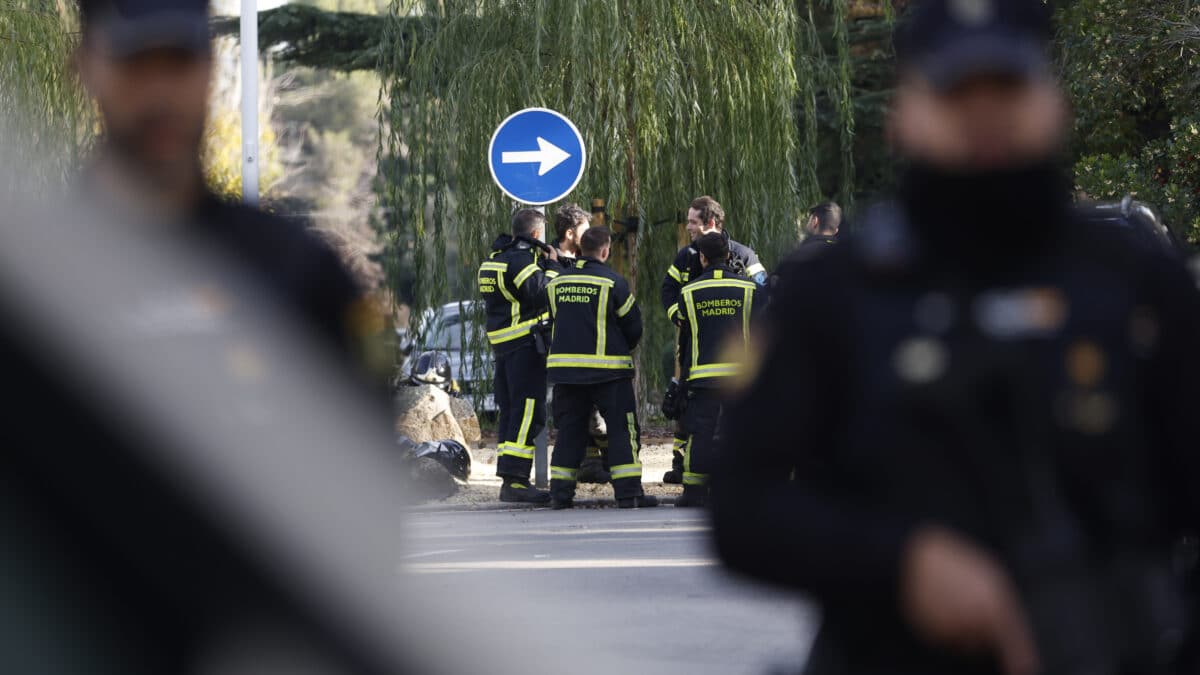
{"points": [[701, 420], [572, 412], [521, 399]]}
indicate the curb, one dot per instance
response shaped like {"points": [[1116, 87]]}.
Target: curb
{"points": [[502, 506]]}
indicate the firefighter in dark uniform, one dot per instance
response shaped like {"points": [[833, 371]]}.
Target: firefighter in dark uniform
{"points": [[824, 222], [716, 309], [597, 325], [980, 456], [513, 284], [570, 222], [705, 215]]}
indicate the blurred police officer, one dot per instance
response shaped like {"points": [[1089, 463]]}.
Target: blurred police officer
{"points": [[597, 325], [705, 216], [513, 283], [570, 222], [993, 436], [716, 308], [148, 67]]}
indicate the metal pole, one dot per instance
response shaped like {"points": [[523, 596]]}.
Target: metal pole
{"points": [[250, 102], [541, 452]]}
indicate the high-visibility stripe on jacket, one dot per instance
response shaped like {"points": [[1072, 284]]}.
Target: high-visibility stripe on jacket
{"points": [[597, 324], [513, 284], [686, 267], [717, 308]]}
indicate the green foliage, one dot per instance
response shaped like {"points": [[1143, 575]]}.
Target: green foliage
{"points": [[221, 150], [40, 94], [306, 35], [674, 98], [1132, 68]]}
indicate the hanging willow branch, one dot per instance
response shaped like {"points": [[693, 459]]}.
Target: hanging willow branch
{"points": [[303, 35], [675, 98], [40, 96]]}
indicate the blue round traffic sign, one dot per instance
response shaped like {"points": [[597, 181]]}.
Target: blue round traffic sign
{"points": [[537, 156]]}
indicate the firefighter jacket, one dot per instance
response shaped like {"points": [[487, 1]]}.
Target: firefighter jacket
{"points": [[742, 260], [513, 285], [597, 325], [716, 309]]}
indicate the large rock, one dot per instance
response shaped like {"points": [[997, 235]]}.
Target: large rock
{"points": [[423, 414], [468, 421]]}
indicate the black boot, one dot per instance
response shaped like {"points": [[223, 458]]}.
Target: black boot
{"points": [[693, 496], [592, 470], [521, 492], [562, 494], [639, 502], [675, 475]]}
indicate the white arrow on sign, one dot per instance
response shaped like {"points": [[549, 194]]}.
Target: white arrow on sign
{"points": [[548, 155]]}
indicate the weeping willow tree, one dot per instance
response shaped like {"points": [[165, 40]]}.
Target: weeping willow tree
{"points": [[675, 98], [48, 119]]}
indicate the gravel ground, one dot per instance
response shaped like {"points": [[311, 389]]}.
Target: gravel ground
{"points": [[484, 486]]}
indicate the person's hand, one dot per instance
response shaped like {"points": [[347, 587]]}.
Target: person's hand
{"points": [[954, 594]]}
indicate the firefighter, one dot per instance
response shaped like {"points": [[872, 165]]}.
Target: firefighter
{"points": [[824, 223], [705, 216], [570, 222], [513, 285], [716, 309], [597, 324]]}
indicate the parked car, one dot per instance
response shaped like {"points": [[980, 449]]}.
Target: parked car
{"points": [[448, 329]]}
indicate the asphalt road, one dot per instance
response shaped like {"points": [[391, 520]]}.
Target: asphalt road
{"points": [[629, 589]]}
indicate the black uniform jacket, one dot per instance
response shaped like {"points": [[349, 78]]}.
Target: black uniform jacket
{"points": [[929, 389], [717, 308], [513, 283], [686, 266], [290, 260], [597, 325]]}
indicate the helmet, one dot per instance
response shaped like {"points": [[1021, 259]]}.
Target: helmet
{"points": [[432, 368]]}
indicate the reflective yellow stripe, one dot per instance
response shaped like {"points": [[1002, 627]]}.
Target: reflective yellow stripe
{"points": [[513, 305], [511, 333], [714, 370], [722, 283], [673, 272], [563, 473], [627, 307], [494, 266], [626, 471], [695, 478], [689, 301], [551, 274], [634, 442], [679, 444], [514, 450], [687, 454], [755, 269], [589, 361], [602, 322], [672, 311], [747, 305], [584, 279], [526, 422], [524, 274]]}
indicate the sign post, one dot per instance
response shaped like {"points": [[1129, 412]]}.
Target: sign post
{"points": [[537, 157], [249, 26]]}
